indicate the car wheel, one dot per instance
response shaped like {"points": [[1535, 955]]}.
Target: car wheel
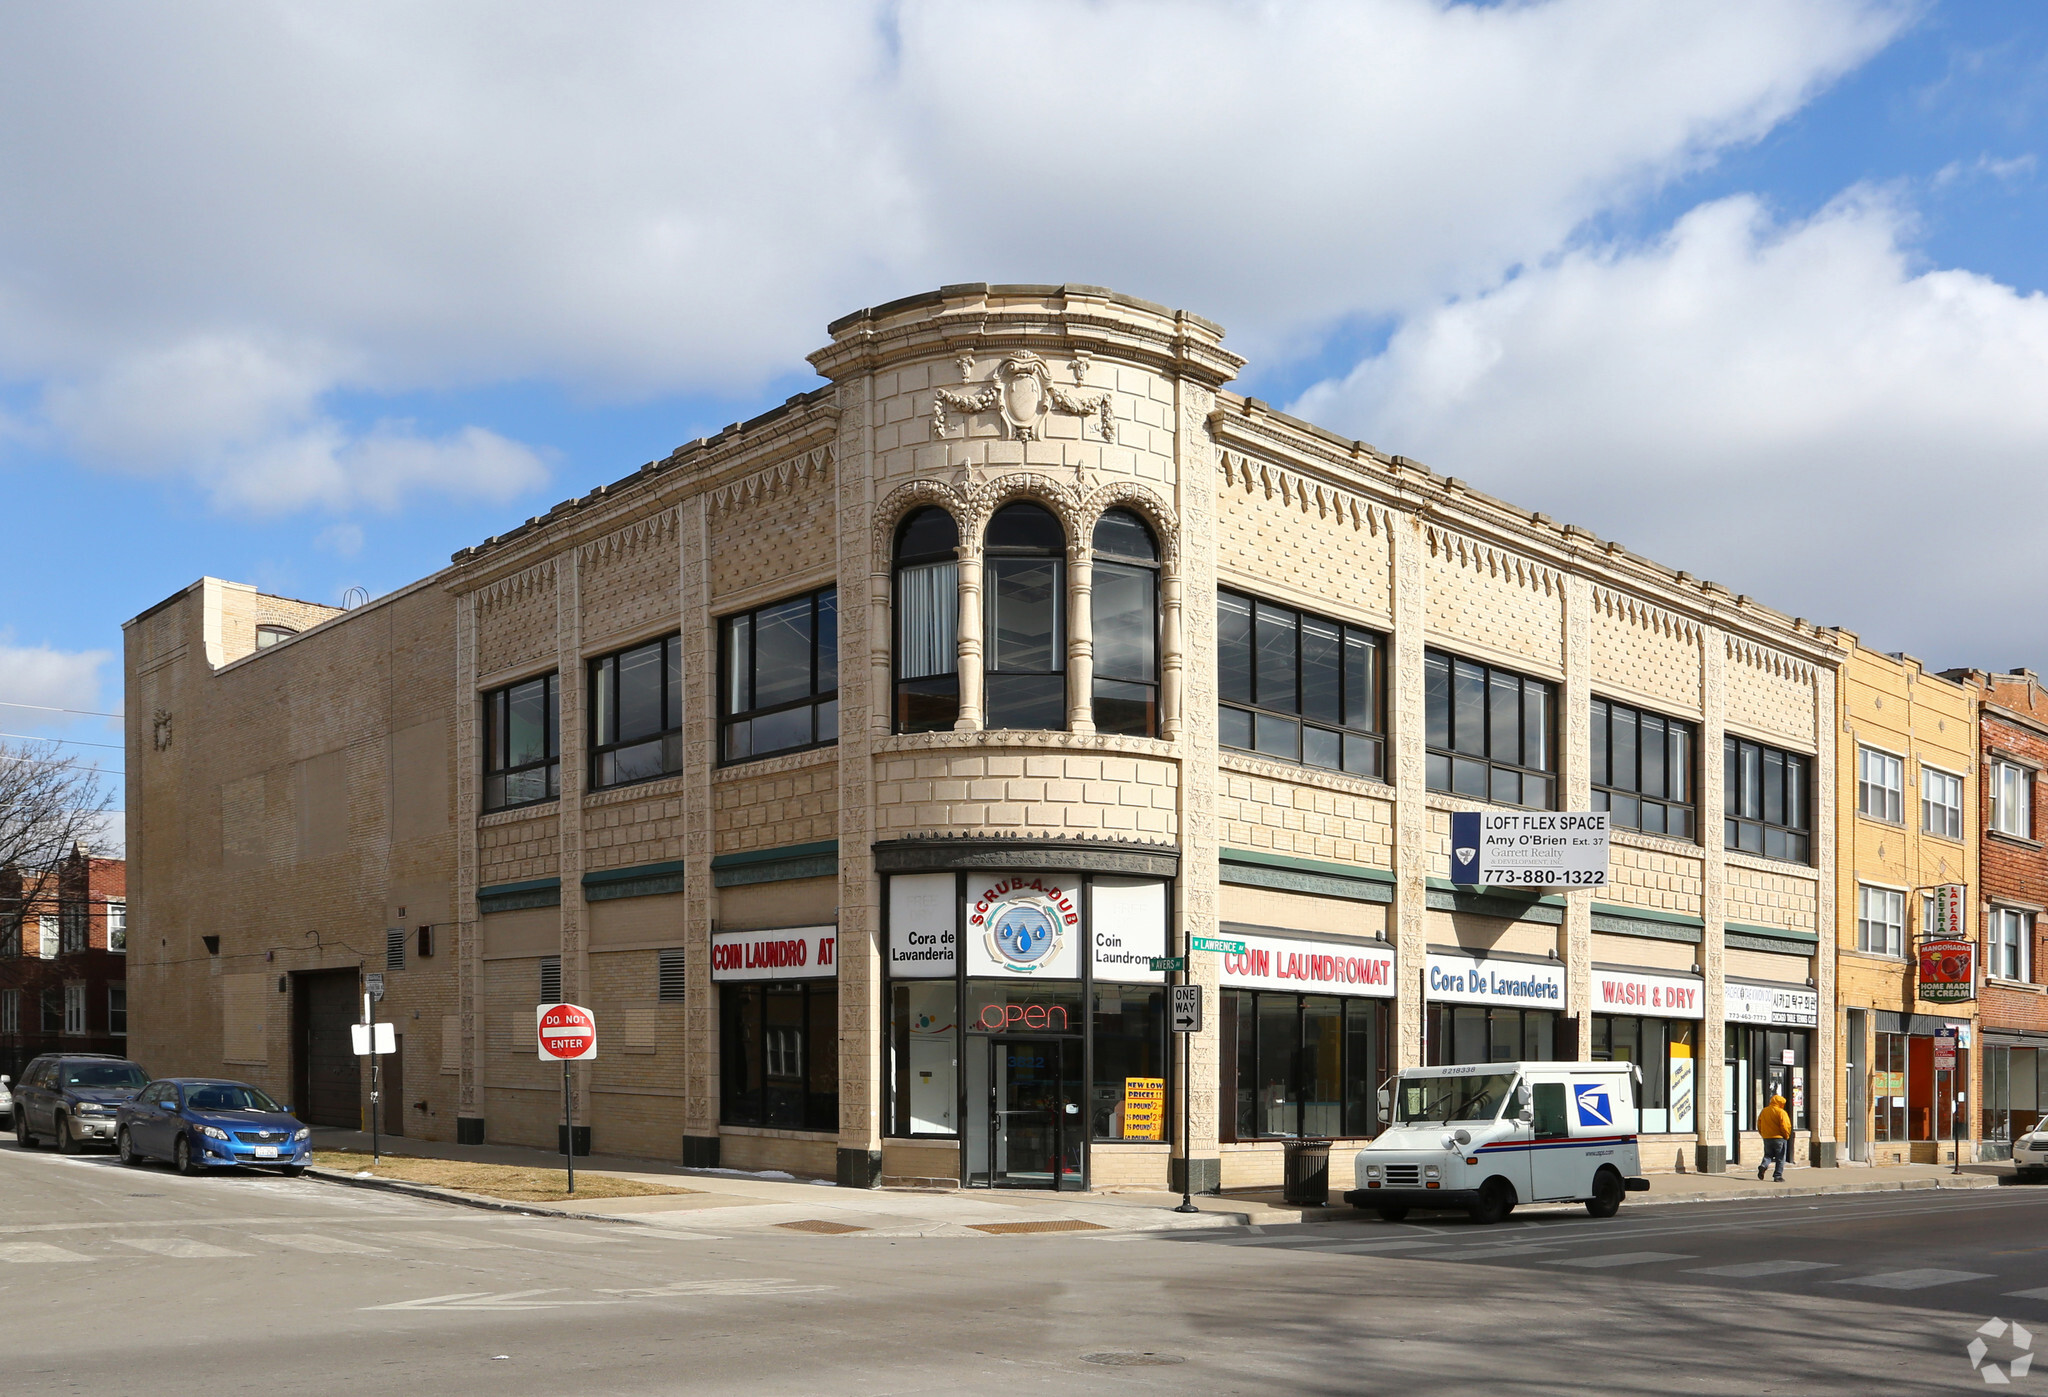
{"points": [[21, 1135], [1608, 1191], [125, 1148], [1496, 1201], [1392, 1214], [67, 1143], [181, 1156]]}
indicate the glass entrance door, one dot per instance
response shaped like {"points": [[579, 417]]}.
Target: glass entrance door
{"points": [[1037, 1133]]}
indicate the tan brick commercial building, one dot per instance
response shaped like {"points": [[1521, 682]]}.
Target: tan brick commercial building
{"points": [[1906, 788], [854, 764]]}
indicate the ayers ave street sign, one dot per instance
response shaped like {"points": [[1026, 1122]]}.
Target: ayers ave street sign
{"points": [[567, 1032], [1530, 849]]}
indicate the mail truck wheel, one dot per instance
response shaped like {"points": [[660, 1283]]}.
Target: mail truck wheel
{"points": [[1392, 1214], [1608, 1191], [1496, 1201]]}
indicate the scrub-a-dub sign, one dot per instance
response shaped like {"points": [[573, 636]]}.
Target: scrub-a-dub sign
{"points": [[1024, 924]]}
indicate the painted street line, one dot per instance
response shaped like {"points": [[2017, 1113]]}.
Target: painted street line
{"points": [[765, 1285], [1625, 1258], [1921, 1278], [1749, 1269], [444, 1241], [486, 1300], [1392, 1244], [37, 1251], [2041, 1294], [313, 1241], [183, 1247]]}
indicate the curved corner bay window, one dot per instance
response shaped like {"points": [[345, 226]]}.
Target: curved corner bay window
{"points": [[1765, 800], [1297, 687], [780, 1055], [636, 713], [1491, 732], [1642, 769], [781, 682], [927, 622], [1026, 572], [522, 744], [1306, 1064], [1125, 626]]}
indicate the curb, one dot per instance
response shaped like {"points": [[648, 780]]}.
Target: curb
{"points": [[468, 1200], [1339, 1212]]}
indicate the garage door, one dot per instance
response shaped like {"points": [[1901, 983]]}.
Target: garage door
{"points": [[329, 1073]]}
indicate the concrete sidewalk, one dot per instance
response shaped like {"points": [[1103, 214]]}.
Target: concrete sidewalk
{"points": [[729, 1202]]}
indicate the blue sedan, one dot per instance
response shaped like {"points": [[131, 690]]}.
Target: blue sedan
{"points": [[203, 1123]]}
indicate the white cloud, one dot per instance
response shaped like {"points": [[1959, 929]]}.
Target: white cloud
{"points": [[219, 215], [342, 540], [47, 678], [1798, 412]]}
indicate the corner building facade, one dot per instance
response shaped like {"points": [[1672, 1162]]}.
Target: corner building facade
{"points": [[855, 765]]}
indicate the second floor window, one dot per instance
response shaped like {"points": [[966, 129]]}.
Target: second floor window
{"points": [[522, 744], [1491, 732], [117, 925], [1025, 579], [781, 677], [1941, 803], [927, 622], [10, 936], [74, 918], [2011, 937], [636, 713], [2012, 800], [1880, 786], [1880, 921], [1642, 769], [74, 1008], [1297, 687], [1765, 800], [1125, 626]]}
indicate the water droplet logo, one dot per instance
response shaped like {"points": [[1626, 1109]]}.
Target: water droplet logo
{"points": [[1023, 933]]}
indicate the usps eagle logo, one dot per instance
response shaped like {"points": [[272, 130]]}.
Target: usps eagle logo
{"points": [[1024, 933], [1596, 1107]]}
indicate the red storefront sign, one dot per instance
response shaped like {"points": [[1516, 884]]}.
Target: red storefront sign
{"points": [[1948, 971]]}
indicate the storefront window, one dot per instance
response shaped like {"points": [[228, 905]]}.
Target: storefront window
{"points": [[924, 1057], [2013, 1102], [1888, 1088], [780, 1050], [1130, 1063], [1023, 1006], [1305, 1064], [1462, 1033], [1664, 1049], [1774, 1063]]}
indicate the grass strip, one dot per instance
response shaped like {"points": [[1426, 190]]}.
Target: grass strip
{"points": [[516, 1183]]}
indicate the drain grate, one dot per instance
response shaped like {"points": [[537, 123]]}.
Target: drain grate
{"points": [[819, 1225], [1130, 1358], [1004, 1229]]}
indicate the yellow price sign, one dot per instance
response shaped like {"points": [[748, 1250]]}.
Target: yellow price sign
{"points": [[1144, 1108]]}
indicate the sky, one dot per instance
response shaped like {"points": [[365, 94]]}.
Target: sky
{"points": [[310, 296]]}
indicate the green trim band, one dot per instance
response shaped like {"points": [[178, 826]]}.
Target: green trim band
{"points": [[787, 851], [1292, 880], [1645, 914], [1301, 865], [1446, 897], [622, 875], [1769, 933], [517, 897]]}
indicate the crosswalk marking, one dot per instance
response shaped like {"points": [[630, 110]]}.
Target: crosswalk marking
{"points": [[1748, 1269], [1364, 1248], [1623, 1258], [37, 1251], [313, 1241], [183, 1247], [1920, 1278], [2028, 1294], [444, 1241]]}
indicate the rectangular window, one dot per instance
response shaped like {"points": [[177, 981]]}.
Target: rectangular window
{"points": [[1880, 921], [636, 714], [2012, 800], [117, 1010], [551, 979], [46, 936], [1941, 802], [1880, 786], [924, 1056], [1300, 688], [780, 1055], [394, 948], [74, 1009], [522, 744], [1491, 733], [1305, 1064], [779, 690], [53, 1010], [10, 936], [1642, 769], [1130, 1041], [2012, 940], [1664, 1050], [10, 1011], [117, 925], [75, 925], [669, 975], [1766, 801], [1454, 1034]]}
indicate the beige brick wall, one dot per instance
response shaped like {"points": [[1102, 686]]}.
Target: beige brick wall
{"points": [[1647, 653], [1061, 792], [634, 827], [1331, 818], [1761, 896], [1491, 603], [774, 803], [1287, 536], [1654, 878], [1771, 695], [516, 846]]}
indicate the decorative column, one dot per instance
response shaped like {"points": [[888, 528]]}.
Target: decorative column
{"points": [[1574, 761], [1172, 664], [469, 957], [700, 761], [1409, 773], [1823, 1074], [575, 741], [1709, 1085], [1080, 636], [970, 663]]}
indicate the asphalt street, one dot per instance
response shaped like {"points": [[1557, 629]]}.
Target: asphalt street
{"points": [[115, 1281]]}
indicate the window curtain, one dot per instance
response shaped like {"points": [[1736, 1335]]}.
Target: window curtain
{"points": [[928, 603]]}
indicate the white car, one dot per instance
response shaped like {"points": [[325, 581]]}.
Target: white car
{"points": [[1485, 1137], [2030, 1155]]}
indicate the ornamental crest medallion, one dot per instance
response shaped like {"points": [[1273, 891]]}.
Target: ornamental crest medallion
{"points": [[1022, 394]]}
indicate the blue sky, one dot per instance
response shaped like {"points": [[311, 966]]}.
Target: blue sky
{"points": [[310, 298]]}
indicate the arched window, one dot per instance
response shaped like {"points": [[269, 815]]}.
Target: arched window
{"points": [[1126, 626], [1027, 635], [267, 636], [927, 622]]}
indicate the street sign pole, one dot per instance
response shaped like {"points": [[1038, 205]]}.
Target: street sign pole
{"points": [[370, 1018], [568, 1130], [567, 1033], [1187, 1084]]}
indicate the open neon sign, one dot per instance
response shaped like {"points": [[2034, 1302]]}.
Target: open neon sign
{"points": [[997, 1017]]}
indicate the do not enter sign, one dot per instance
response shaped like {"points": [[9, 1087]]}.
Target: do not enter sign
{"points": [[568, 1032]]}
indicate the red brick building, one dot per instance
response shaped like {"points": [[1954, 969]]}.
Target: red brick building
{"points": [[63, 961], [2012, 743]]}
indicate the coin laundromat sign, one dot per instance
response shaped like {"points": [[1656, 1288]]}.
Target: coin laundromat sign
{"points": [[1024, 924]]}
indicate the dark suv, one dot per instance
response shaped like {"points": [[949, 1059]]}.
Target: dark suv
{"points": [[71, 1098]]}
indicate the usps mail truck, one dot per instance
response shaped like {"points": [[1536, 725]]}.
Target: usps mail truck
{"points": [[1484, 1137]]}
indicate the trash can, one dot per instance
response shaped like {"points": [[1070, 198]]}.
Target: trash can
{"points": [[1308, 1173]]}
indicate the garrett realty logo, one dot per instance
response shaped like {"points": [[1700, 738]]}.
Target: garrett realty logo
{"points": [[1025, 924], [2022, 1340]]}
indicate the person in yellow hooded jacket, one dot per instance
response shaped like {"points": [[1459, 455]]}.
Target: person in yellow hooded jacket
{"points": [[1774, 1123]]}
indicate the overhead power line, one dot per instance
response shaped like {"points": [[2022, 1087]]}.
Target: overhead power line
{"points": [[46, 708], [24, 737]]}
